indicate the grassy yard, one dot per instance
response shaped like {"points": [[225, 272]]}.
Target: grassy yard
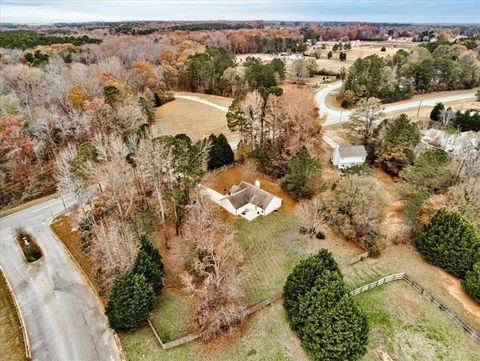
{"points": [[405, 326], [12, 347], [195, 119]]}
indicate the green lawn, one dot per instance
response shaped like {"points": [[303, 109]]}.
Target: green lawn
{"points": [[269, 255], [406, 326], [12, 347]]}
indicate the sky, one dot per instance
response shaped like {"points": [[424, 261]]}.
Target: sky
{"points": [[405, 11]]}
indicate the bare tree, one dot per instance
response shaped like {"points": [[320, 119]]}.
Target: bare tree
{"points": [[364, 116], [447, 115], [217, 262], [252, 108], [114, 249], [310, 213], [154, 160]]}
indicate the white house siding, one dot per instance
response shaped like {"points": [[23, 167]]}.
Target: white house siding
{"points": [[350, 162], [275, 204]]}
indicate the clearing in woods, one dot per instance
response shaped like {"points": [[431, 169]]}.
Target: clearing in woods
{"points": [[193, 118]]}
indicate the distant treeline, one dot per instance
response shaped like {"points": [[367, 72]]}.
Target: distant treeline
{"points": [[216, 26], [25, 39]]}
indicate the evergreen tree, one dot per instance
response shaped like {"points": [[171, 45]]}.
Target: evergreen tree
{"points": [[471, 283], [302, 279], [320, 309], [279, 67], [149, 264], [129, 302], [449, 241], [301, 168], [220, 153], [436, 111], [147, 109]]}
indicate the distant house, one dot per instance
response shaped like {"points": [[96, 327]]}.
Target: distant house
{"points": [[296, 57], [345, 156], [250, 201]]}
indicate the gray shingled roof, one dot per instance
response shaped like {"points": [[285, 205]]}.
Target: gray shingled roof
{"points": [[248, 193], [350, 151]]}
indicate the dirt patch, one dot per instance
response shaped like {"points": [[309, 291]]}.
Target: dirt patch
{"points": [[456, 290]]}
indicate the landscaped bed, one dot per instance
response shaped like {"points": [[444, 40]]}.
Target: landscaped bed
{"points": [[12, 347], [28, 245]]}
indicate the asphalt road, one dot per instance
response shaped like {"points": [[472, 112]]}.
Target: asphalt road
{"points": [[334, 116], [63, 317]]}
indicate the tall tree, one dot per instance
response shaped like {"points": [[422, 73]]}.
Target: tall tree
{"points": [[301, 171], [220, 153], [364, 117]]}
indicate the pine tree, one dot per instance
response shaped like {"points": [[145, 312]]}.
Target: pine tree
{"points": [[220, 153], [436, 111], [302, 279], [471, 283], [130, 301], [319, 308], [449, 241], [149, 264], [297, 179]]}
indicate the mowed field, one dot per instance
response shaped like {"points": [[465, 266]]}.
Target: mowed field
{"points": [[12, 347], [196, 119]]}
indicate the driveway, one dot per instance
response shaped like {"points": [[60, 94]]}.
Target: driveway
{"points": [[63, 317], [335, 116]]}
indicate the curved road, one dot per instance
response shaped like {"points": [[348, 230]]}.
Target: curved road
{"points": [[63, 318], [334, 116]]}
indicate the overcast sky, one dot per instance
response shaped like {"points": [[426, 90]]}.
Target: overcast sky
{"points": [[412, 11]]}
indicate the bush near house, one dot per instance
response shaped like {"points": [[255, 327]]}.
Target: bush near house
{"points": [[319, 308]]}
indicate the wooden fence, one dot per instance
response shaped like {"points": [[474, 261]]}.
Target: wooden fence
{"points": [[420, 289], [391, 278], [26, 340]]}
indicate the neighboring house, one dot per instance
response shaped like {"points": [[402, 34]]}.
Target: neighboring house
{"points": [[345, 156], [250, 201], [296, 57]]}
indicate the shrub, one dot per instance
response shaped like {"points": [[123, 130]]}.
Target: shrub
{"points": [[27, 244], [149, 264], [320, 309], [449, 241], [383, 48], [129, 302], [436, 112], [471, 283], [346, 103]]}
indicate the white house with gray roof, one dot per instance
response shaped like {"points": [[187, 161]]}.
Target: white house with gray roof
{"points": [[250, 201], [346, 156]]}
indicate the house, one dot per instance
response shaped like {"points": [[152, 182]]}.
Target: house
{"points": [[250, 201], [296, 57], [345, 156]]}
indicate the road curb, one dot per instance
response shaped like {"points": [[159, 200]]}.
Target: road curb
{"points": [[89, 283], [26, 340]]}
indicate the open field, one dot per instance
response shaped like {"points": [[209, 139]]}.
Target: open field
{"points": [[193, 118], [12, 347], [405, 326]]}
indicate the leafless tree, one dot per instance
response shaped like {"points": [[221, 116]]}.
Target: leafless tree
{"points": [[364, 116], [113, 249], [217, 262], [252, 107], [310, 212]]}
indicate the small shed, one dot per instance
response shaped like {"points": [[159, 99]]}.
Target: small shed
{"points": [[346, 156]]}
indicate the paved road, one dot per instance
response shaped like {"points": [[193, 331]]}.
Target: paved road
{"points": [[63, 318], [334, 116]]}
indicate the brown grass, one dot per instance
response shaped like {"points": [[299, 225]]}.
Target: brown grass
{"points": [[195, 119], [12, 347]]}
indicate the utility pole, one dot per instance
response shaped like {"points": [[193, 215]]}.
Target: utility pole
{"points": [[63, 200], [419, 106]]}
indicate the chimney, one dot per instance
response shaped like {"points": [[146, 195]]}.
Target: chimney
{"points": [[257, 183]]}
